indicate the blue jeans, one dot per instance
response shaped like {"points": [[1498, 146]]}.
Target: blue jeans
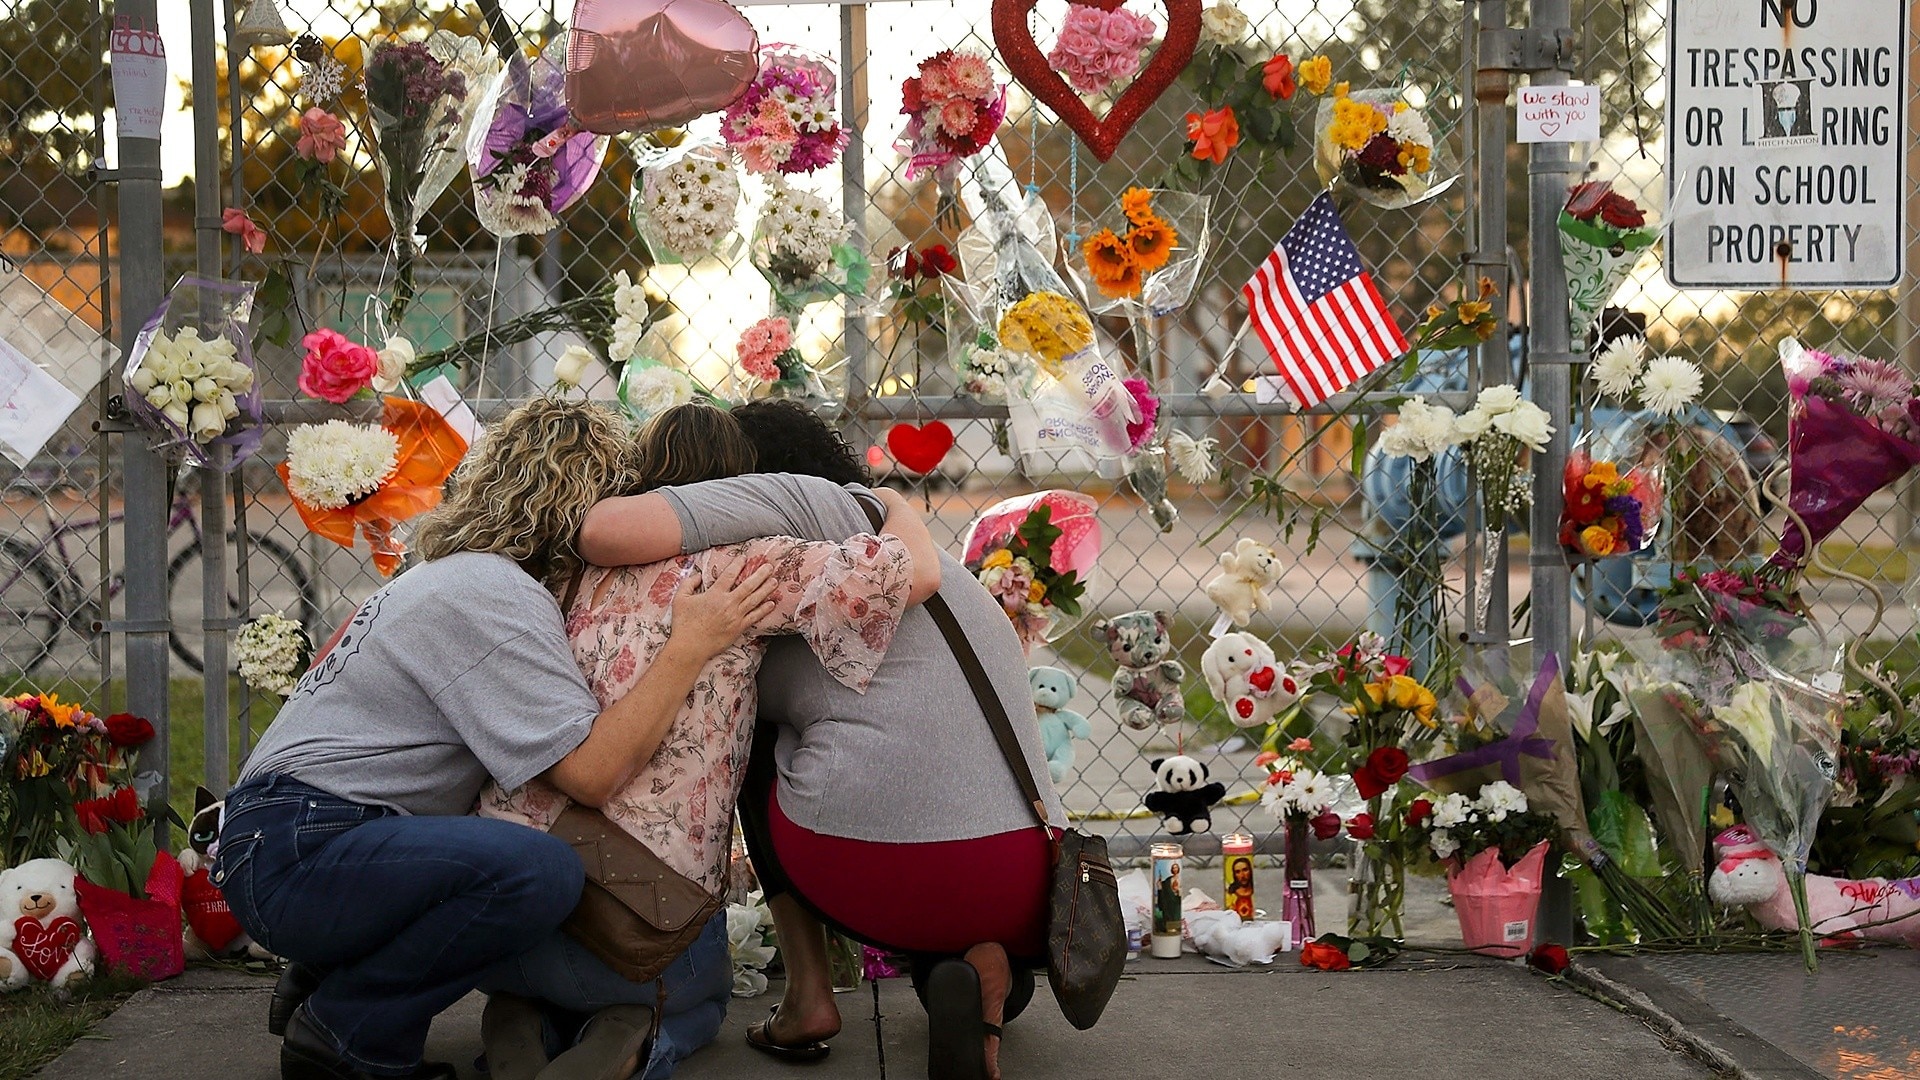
{"points": [[562, 974], [404, 914]]}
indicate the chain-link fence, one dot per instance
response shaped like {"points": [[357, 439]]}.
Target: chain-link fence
{"points": [[327, 254]]}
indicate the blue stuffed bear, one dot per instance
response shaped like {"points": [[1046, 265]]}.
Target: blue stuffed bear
{"points": [[1059, 725]]}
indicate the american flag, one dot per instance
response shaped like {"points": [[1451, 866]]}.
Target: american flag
{"points": [[1316, 309]]}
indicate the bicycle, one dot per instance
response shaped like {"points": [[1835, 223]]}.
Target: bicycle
{"points": [[42, 593]]}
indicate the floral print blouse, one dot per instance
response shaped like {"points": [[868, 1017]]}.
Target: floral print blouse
{"points": [[844, 599]]}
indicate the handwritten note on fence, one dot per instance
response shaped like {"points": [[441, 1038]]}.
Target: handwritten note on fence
{"points": [[1558, 114]]}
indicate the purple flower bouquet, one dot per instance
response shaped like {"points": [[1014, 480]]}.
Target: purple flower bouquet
{"points": [[529, 161]]}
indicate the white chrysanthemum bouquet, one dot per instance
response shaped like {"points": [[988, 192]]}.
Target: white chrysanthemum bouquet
{"points": [[800, 246], [271, 651], [686, 208], [337, 463]]}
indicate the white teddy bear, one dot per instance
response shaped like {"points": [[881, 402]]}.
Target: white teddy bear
{"points": [[41, 935], [1245, 679], [1246, 573]]}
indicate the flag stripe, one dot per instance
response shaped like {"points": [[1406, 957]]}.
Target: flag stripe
{"points": [[1317, 310]]}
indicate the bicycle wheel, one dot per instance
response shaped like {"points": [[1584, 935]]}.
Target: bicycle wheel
{"points": [[33, 607], [274, 574]]}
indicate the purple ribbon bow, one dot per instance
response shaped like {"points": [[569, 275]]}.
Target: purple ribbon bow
{"points": [[1506, 751]]}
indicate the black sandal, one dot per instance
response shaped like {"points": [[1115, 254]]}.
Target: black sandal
{"points": [[794, 1053], [956, 1034]]}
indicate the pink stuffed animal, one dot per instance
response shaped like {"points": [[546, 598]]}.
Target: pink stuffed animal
{"points": [[1749, 875]]}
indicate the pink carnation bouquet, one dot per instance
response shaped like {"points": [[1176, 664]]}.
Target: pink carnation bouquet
{"points": [[767, 353], [1097, 49], [953, 107], [785, 121]]}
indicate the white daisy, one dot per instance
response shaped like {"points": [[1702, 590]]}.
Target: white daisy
{"points": [[1196, 460]]}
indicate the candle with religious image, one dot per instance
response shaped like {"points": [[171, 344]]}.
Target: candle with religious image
{"points": [[1236, 871], [1167, 924]]}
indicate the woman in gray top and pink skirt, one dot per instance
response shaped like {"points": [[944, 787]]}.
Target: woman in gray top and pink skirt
{"points": [[892, 814]]}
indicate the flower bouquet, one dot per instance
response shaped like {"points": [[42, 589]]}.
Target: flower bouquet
{"points": [[1381, 146], [1602, 235], [198, 392], [767, 354], [785, 123], [1495, 849], [1854, 428], [800, 247], [1301, 799], [953, 107], [529, 162], [1604, 511], [1500, 424], [270, 652], [421, 98], [985, 371], [686, 206], [647, 388], [1098, 49], [346, 477], [1035, 554], [1148, 266]]}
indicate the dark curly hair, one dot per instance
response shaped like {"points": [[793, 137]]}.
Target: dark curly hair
{"points": [[791, 438]]}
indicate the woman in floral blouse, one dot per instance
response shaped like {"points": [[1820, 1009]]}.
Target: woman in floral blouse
{"points": [[844, 599]]}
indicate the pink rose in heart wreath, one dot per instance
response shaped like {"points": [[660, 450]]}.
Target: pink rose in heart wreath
{"points": [[1098, 48], [1087, 57]]}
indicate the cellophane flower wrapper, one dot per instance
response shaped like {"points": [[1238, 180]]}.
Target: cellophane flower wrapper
{"points": [[1006, 254], [1334, 163], [1077, 549], [230, 306], [421, 140], [981, 369], [1598, 260], [1837, 457], [1621, 497], [703, 232], [1705, 498], [525, 104], [648, 387], [1169, 288]]}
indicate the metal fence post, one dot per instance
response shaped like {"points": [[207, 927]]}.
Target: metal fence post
{"points": [[145, 471], [1551, 354], [1488, 258]]}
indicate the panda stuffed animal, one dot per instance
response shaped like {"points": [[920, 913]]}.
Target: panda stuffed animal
{"points": [[1183, 794]]}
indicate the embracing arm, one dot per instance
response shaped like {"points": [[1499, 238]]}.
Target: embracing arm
{"points": [[904, 522], [626, 733], [630, 530]]}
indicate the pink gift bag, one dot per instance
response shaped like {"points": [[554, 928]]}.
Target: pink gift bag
{"points": [[1497, 906]]}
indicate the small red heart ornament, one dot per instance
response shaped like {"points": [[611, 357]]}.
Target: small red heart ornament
{"points": [[45, 948], [1262, 679], [1013, 36], [920, 449]]}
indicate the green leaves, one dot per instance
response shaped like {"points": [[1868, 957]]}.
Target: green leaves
{"points": [[275, 299]]}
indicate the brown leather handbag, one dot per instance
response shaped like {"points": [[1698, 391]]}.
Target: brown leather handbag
{"points": [[636, 913], [1086, 933]]}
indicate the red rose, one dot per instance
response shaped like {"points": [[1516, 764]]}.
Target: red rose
{"points": [[911, 100], [1360, 826], [1621, 212], [1395, 665], [1327, 825], [937, 261], [1389, 763], [1419, 811], [126, 730], [1369, 782], [1549, 958], [1325, 957]]}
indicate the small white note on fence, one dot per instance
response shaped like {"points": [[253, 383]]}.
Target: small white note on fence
{"points": [[139, 66], [1269, 389], [33, 405], [1557, 114]]}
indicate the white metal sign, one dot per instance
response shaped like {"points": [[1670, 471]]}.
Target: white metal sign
{"points": [[1786, 134]]}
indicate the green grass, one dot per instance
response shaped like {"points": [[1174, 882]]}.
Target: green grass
{"points": [[36, 1026], [186, 703]]}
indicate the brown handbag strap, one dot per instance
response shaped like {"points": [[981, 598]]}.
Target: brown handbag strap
{"points": [[982, 686]]}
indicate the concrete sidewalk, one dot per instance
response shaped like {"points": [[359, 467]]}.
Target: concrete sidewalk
{"points": [[1449, 1017]]}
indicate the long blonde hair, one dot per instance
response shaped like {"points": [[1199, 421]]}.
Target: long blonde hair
{"points": [[524, 491]]}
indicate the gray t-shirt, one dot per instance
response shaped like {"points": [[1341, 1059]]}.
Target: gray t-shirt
{"points": [[912, 760], [458, 669]]}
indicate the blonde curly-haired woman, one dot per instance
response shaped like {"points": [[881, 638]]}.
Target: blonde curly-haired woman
{"points": [[347, 844]]}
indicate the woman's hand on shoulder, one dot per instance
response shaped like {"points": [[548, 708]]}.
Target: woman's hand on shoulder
{"points": [[706, 620]]}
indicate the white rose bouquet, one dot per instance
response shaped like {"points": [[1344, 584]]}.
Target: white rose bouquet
{"points": [[198, 391]]}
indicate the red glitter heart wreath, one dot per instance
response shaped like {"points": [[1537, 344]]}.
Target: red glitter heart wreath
{"points": [[1102, 134]]}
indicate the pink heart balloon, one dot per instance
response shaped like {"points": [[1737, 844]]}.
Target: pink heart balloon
{"points": [[641, 65]]}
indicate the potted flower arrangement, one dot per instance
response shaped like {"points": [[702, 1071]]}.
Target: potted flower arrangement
{"points": [[1495, 850], [68, 794]]}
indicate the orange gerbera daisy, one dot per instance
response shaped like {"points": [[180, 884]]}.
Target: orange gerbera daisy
{"points": [[1137, 204], [1152, 242], [1107, 256]]}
